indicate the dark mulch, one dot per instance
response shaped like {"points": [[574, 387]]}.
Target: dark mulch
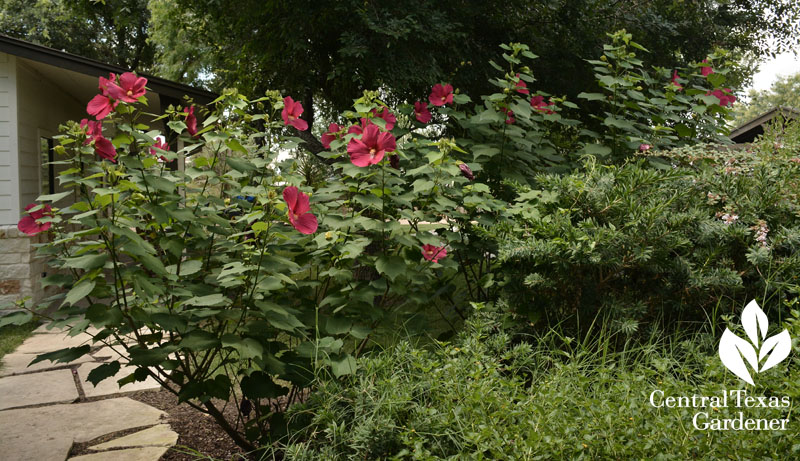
{"points": [[199, 437]]}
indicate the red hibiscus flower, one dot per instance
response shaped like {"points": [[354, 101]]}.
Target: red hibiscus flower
{"points": [[100, 106], [521, 86], [102, 146], [387, 117], [466, 171], [675, 78], [291, 114], [92, 128], [30, 224], [331, 135], [105, 83], [159, 144], [130, 87], [300, 211], [537, 102], [509, 115], [394, 161], [104, 149], [433, 253], [191, 121], [706, 70], [441, 95], [421, 112], [359, 129], [724, 95], [370, 148]]}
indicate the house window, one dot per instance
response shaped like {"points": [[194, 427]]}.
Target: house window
{"points": [[48, 172]]}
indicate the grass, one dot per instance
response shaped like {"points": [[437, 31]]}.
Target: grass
{"points": [[11, 336], [488, 395]]}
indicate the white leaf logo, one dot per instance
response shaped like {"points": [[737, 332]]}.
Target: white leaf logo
{"points": [[736, 353]]}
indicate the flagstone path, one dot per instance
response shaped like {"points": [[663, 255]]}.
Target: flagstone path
{"points": [[44, 408]]}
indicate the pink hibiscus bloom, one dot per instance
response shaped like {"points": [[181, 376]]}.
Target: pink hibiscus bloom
{"points": [[370, 148], [675, 78], [104, 149], [433, 253], [509, 115], [92, 128], [130, 87], [191, 121], [300, 210], [331, 135], [441, 95], [466, 171], [521, 86], [100, 106], [105, 83], [159, 144], [724, 95], [291, 114], [421, 112], [537, 102], [387, 117], [102, 146], [30, 224], [359, 129], [706, 70]]}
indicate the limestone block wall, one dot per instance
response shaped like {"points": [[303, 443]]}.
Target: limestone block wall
{"points": [[20, 270]]}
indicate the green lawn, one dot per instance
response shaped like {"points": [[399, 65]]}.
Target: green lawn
{"points": [[11, 336]]}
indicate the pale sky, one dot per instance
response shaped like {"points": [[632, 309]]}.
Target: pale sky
{"points": [[783, 64]]}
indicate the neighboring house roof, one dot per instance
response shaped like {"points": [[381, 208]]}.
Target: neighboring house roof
{"points": [[749, 131], [95, 68]]}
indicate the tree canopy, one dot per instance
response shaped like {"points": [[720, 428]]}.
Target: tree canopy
{"points": [[331, 51], [113, 31]]}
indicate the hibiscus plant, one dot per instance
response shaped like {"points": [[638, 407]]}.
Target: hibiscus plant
{"points": [[233, 277]]}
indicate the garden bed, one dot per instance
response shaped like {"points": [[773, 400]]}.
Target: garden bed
{"points": [[199, 437]]}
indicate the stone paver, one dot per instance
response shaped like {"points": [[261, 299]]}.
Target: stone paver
{"points": [[110, 386], [47, 433], [131, 454], [37, 388], [16, 363], [43, 329], [107, 354], [39, 344], [156, 436], [35, 424]]}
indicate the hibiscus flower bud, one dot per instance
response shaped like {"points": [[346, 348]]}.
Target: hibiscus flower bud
{"points": [[466, 171], [394, 161], [245, 408]]}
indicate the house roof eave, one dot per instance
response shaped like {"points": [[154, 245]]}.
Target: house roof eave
{"points": [[761, 119], [96, 68]]}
